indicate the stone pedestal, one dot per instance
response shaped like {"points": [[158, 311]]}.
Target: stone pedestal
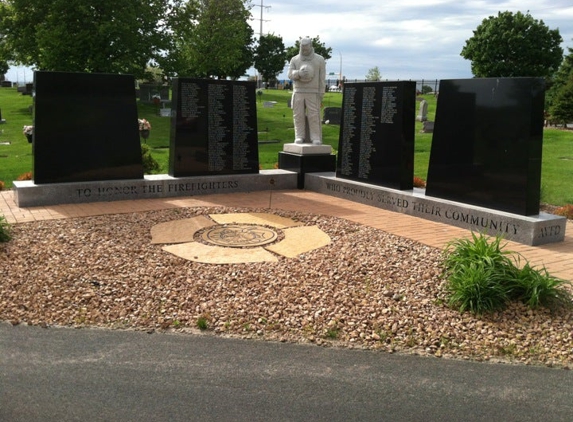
{"points": [[306, 158]]}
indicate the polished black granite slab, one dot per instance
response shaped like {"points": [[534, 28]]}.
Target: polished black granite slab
{"points": [[487, 143], [85, 128], [376, 143], [213, 128]]}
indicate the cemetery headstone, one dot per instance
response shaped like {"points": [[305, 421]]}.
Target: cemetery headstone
{"points": [[427, 127], [423, 111], [332, 115], [487, 143], [147, 92], [213, 128], [376, 143], [85, 128], [26, 89]]}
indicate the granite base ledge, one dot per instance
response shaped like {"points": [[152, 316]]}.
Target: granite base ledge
{"points": [[529, 230], [307, 149], [29, 194]]}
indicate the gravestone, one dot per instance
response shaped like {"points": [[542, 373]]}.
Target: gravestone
{"points": [[427, 127], [26, 89], [376, 143], [487, 143], [213, 128], [423, 111], [148, 91], [85, 128], [332, 115]]}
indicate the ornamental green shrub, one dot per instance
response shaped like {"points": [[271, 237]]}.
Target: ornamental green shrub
{"points": [[482, 277], [150, 165]]}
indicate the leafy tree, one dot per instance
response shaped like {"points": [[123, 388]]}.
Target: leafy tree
{"points": [[426, 89], [374, 74], [318, 46], [562, 77], [221, 43], [4, 66], [512, 45], [565, 72], [561, 109], [182, 23], [84, 35], [270, 57], [5, 53]]}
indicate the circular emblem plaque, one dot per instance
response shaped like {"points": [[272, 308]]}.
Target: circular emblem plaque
{"points": [[239, 235]]}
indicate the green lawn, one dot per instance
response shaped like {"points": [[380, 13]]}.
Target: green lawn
{"points": [[275, 129]]}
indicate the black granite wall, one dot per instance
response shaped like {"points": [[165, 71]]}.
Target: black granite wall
{"points": [[85, 128], [376, 143], [213, 128], [487, 143]]}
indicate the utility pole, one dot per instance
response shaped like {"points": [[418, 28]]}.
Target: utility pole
{"points": [[263, 7]]}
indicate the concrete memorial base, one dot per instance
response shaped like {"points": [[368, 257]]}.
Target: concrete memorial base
{"points": [[28, 194], [307, 149], [306, 158], [530, 230]]}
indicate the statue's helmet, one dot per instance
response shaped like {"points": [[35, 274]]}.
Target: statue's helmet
{"points": [[307, 73]]}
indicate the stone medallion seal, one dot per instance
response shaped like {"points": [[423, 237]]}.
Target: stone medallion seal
{"points": [[239, 235]]}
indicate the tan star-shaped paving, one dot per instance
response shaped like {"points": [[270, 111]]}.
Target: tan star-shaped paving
{"points": [[179, 231], [241, 231]]}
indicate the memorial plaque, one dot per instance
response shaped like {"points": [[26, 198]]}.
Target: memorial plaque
{"points": [[376, 143], [487, 143], [85, 128], [214, 128]]}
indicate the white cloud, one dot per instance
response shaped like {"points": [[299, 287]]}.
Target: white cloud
{"points": [[409, 39]]}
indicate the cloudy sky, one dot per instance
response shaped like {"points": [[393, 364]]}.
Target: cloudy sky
{"points": [[405, 39]]}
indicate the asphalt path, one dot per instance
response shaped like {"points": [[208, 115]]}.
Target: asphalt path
{"points": [[64, 374]]}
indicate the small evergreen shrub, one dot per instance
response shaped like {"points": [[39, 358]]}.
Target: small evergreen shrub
{"points": [[150, 165]]}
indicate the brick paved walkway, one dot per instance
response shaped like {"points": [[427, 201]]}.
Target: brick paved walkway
{"points": [[556, 257]]}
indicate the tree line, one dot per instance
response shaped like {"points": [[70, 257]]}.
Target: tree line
{"points": [[197, 38], [213, 39]]}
